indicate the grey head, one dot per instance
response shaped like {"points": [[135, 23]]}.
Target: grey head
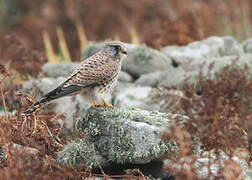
{"points": [[115, 49]]}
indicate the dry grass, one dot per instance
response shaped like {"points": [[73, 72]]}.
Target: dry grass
{"points": [[221, 119], [157, 23]]}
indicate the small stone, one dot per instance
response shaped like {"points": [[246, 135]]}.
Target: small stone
{"points": [[232, 47], [135, 97], [55, 70], [247, 46], [142, 59]]}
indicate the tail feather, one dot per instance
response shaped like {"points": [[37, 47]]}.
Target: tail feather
{"points": [[54, 94], [37, 105]]}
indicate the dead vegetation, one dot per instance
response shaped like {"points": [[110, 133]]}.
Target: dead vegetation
{"points": [[221, 119], [157, 23]]}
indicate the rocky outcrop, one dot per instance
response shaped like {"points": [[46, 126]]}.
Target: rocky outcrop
{"points": [[120, 136]]}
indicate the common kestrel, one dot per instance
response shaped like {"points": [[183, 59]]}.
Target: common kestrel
{"points": [[95, 77]]}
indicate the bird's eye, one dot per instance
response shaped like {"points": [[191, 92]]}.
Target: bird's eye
{"points": [[118, 48]]}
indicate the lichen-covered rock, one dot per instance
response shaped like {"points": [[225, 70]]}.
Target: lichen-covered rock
{"points": [[125, 77], [198, 50], [55, 70], [232, 47], [176, 77], [247, 46], [189, 72], [130, 135], [91, 48], [142, 59], [122, 136], [248, 59], [81, 153], [135, 97], [218, 165]]}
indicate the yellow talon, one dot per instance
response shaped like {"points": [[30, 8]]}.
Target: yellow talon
{"points": [[97, 105], [107, 104]]}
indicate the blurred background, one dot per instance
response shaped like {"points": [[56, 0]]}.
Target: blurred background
{"points": [[43, 23]]}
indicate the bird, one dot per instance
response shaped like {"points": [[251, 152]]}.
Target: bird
{"points": [[95, 77]]}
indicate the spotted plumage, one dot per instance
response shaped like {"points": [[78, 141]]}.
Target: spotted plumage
{"points": [[94, 77]]}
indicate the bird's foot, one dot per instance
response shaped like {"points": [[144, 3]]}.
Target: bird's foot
{"points": [[105, 104], [97, 105]]}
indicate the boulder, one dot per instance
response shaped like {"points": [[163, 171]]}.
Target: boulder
{"points": [[232, 47], [222, 164], [120, 136], [142, 59], [132, 96], [247, 46], [198, 50], [189, 72]]}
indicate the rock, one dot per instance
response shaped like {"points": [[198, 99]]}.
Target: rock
{"points": [[232, 47], [135, 97], [91, 48], [140, 60], [176, 77], [121, 136], [55, 70], [81, 153], [146, 98], [247, 46], [215, 44], [71, 106], [199, 50], [125, 77], [153, 79], [43, 84], [247, 58], [190, 72], [218, 165]]}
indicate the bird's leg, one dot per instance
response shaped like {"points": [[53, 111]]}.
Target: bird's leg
{"points": [[97, 105], [105, 103]]}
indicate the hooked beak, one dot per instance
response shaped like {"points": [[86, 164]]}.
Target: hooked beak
{"points": [[124, 51]]}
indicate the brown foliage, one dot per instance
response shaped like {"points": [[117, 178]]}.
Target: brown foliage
{"points": [[221, 109], [220, 117], [157, 23], [18, 58]]}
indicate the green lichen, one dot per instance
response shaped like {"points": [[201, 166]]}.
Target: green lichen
{"points": [[119, 136], [114, 140], [76, 153]]}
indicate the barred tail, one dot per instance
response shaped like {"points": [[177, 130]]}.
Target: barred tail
{"points": [[37, 105]]}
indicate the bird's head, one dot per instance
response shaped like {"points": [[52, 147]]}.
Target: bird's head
{"points": [[115, 49]]}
